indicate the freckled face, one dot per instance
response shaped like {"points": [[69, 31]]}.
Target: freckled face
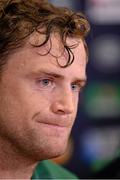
{"points": [[38, 101]]}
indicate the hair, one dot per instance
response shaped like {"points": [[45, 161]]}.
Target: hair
{"points": [[20, 18]]}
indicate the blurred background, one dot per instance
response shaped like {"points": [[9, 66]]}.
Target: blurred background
{"points": [[94, 146]]}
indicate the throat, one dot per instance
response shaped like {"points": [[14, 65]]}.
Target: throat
{"points": [[16, 169]]}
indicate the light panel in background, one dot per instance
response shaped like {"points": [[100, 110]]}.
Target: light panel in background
{"points": [[100, 146], [102, 101], [103, 11], [105, 52], [63, 3]]}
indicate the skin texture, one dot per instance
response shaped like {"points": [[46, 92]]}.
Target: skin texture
{"points": [[38, 105]]}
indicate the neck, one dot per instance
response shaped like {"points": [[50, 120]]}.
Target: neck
{"points": [[13, 165], [16, 173]]}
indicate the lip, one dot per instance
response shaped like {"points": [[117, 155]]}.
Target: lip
{"points": [[58, 123], [53, 130], [53, 125]]}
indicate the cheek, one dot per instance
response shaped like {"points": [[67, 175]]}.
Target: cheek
{"points": [[76, 100], [75, 107], [35, 101], [11, 109], [31, 99], [12, 106], [11, 116]]}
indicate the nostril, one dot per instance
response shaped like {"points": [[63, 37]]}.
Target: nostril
{"points": [[61, 112]]}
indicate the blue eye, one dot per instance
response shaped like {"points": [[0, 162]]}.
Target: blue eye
{"points": [[76, 87], [45, 83]]}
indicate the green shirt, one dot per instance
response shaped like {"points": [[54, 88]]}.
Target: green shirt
{"points": [[49, 170]]}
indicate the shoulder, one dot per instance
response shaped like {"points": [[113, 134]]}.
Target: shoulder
{"points": [[49, 170]]}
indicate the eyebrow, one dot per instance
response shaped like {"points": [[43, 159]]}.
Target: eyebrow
{"points": [[59, 76]]}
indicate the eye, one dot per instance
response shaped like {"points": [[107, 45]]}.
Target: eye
{"points": [[45, 83], [76, 87]]}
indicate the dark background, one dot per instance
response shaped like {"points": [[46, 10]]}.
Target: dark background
{"points": [[94, 146]]}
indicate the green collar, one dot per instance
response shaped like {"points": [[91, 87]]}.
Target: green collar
{"points": [[49, 170]]}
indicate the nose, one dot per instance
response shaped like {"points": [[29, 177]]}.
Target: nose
{"points": [[63, 103]]}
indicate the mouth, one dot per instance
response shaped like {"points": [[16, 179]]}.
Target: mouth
{"points": [[54, 130], [53, 126]]}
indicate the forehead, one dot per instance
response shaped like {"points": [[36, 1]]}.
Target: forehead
{"points": [[56, 49], [57, 52], [29, 58]]}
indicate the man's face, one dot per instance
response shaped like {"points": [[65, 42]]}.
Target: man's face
{"points": [[38, 99]]}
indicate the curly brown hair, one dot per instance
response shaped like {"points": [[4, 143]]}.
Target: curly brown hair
{"points": [[20, 18]]}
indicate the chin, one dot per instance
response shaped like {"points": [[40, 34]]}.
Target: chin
{"points": [[58, 150], [54, 154], [50, 152], [45, 148]]}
